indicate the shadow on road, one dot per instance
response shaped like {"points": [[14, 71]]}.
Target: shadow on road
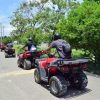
{"points": [[72, 92]]}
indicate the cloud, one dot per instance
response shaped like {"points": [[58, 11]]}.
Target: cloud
{"points": [[33, 0], [48, 4]]}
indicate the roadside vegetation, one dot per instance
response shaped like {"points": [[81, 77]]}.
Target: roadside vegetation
{"points": [[79, 24]]}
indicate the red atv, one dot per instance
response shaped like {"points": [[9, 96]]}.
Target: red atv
{"points": [[61, 73], [2, 46], [26, 60]]}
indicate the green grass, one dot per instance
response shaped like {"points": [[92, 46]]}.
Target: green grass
{"points": [[92, 67], [78, 53], [75, 53]]}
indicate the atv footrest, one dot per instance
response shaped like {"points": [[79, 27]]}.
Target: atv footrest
{"points": [[45, 79]]}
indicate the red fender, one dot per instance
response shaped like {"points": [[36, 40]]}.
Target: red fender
{"points": [[46, 61]]}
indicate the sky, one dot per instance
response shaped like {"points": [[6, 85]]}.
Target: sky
{"points": [[7, 7]]}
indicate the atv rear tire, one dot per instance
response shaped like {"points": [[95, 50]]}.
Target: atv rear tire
{"points": [[19, 63], [81, 81], [14, 55], [27, 64], [37, 76], [58, 86], [6, 55]]}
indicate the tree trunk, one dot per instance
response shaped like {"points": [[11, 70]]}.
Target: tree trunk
{"points": [[97, 58]]}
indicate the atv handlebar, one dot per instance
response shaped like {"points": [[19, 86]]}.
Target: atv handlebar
{"points": [[49, 55]]}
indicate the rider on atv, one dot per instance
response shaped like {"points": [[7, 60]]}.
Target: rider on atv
{"points": [[27, 58], [63, 48], [30, 45], [9, 45], [60, 73]]}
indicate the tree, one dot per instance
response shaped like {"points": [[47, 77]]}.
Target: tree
{"points": [[47, 14], [93, 0], [82, 27], [6, 39]]}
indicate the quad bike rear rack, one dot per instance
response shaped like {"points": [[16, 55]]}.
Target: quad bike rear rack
{"points": [[60, 61]]}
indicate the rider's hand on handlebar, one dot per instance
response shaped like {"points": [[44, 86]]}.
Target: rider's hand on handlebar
{"points": [[44, 52]]}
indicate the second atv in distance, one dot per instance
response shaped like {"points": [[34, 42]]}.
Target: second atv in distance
{"points": [[10, 52], [61, 73], [26, 60]]}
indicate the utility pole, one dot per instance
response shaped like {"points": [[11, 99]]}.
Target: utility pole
{"points": [[1, 32]]}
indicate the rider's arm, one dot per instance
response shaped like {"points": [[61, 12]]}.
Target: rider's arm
{"points": [[52, 45], [24, 46], [45, 51]]}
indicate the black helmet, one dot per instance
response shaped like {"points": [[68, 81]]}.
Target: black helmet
{"points": [[56, 36], [30, 39]]}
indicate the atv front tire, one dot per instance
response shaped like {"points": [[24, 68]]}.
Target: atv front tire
{"points": [[19, 63], [37, 76], [6, 55], [14, 55]]}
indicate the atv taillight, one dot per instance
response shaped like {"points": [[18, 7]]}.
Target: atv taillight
{"points": [[64, 69], [53, 70]]}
